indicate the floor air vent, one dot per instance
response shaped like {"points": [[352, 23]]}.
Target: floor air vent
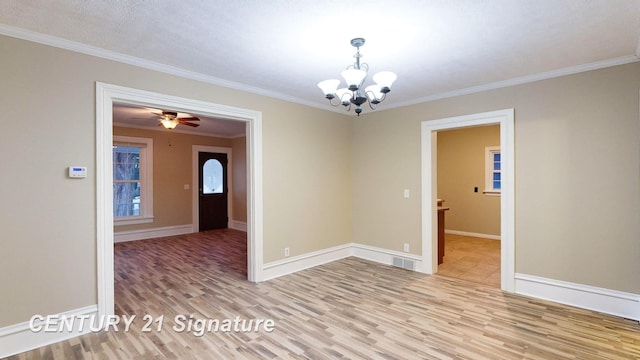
{"points": [[403, 263]]}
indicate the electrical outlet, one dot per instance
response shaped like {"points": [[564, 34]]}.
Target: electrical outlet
{"points": [[405, 247], [286, 251]]}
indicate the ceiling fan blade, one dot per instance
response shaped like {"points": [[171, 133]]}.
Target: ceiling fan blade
{"points": [[189, 119], [187, 123]]}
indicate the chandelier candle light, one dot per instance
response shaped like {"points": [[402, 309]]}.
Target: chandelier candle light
{"points": [[354, 76]]}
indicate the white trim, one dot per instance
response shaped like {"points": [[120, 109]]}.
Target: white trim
{"points": [[133, 235], [106, 95], [622, 60], [382, 256], [294, 264], [146, 180], [195, 201], [152, 65], [489, 151], [607, 301], [131, 60], [429, 128], [104, 199], [472, 234], [18, 338], [133, 220], [238, 225]]}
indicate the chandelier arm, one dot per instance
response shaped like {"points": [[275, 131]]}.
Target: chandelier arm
{"points": [[337, 103]]}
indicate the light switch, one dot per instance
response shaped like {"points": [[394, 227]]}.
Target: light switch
{"points": [[186, 186], [406, 193]]}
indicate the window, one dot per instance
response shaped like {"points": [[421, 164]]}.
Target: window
{"points": [[132, 180], [493, 177], [212, 177]]}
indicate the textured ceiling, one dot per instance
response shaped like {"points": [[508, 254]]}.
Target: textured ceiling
{"points": [[283, 48]]}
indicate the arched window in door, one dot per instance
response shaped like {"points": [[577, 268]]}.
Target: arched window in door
{"points": [[212, 181]]}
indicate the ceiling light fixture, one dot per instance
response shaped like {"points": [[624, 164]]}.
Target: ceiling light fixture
{"points": [[354, 76], [169, 122]]}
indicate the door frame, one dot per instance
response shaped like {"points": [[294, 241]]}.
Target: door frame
{"points": [[429, 129], [106, 95], [195, 150]]}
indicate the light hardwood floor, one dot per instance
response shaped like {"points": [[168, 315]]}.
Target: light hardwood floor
{"points": [[471, 258], [349, 309]]}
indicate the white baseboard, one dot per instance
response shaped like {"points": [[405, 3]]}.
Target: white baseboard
{"points": [[603, 300], [384, 256], [466, 233], [607, 301], [296, 263], [18, 338], [238, 225], [293, 264], [122, 236]]}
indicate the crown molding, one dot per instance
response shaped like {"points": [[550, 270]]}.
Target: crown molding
{"points": [[522, 80], [172, 70], [147, 64]]}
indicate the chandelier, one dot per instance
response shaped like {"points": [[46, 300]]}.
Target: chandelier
{"points": [[355, 76]]}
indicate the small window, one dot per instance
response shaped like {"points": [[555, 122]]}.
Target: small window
{"points": [[493, 175], [212, 181], [132, 180]]}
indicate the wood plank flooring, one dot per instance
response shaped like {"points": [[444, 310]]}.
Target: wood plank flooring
{"points": [[471, 258], [348, 309]]}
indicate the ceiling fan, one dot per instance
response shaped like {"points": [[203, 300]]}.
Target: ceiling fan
{"points": [[170, 119]]}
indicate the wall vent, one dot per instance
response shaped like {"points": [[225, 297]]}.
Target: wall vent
{"points": [[403, 263]]}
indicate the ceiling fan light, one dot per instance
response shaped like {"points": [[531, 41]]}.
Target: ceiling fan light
{"points": [[354, 78], [329, 87], [169, 123], [385, 79]]}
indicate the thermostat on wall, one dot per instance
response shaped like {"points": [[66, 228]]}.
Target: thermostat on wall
{"points": [[77, 172]]}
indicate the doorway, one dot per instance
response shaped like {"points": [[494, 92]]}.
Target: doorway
{"points": [[469, 179], [429, 129], [212, 191], [213, 184], [106, 95]]}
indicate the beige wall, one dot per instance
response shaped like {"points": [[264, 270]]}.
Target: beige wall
{"points": [[48, 225], [239, 150], [172, 169], [328, 179], [461, 167], [577, 174]]}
